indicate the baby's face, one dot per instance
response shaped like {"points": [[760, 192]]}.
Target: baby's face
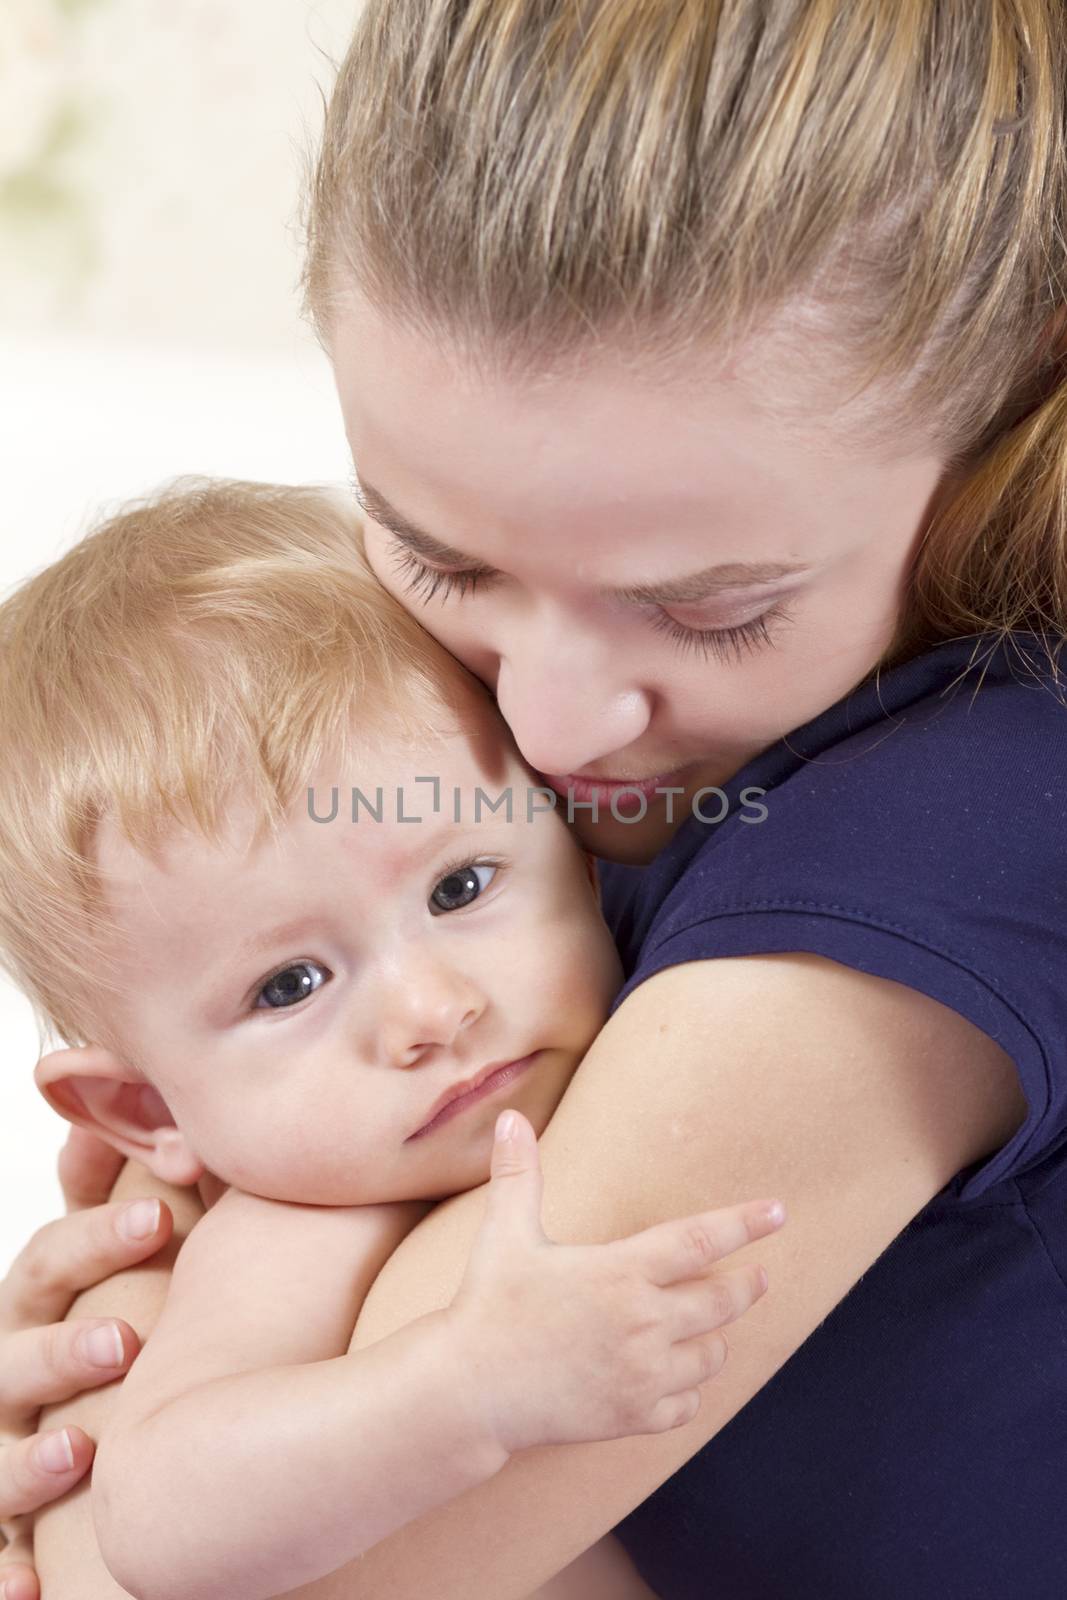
{"points": [[300, 1062]]}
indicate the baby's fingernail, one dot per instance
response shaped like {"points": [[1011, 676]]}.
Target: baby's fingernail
{"points": [[101, 1346], [140, 1219], [506, 1125], [54, 1452], [775, 1212]]}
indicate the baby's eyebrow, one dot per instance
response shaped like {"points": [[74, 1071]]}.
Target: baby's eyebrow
{"points": [[402, 859], [689, 589], [266, 938]]}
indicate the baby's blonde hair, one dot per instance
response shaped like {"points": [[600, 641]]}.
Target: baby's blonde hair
{"points": [[524, 176], [219, 636]]}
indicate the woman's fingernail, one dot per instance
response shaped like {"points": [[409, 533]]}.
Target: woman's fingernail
{"points": [[140, 1219], [101, 1346], [54, 1452]]}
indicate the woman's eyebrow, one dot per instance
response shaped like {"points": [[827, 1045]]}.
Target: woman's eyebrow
{"points": [[696, 586], [417, 539], [687, 590]]}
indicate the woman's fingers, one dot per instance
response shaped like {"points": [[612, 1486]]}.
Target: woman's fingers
{"points": [[685, 1247], [70, 1254], [36, 1470], [18, 1581], [87, 1169], [42, 1365]]}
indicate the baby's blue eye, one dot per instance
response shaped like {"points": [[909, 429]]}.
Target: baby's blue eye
{"points": [[290, 985], [461, 886]]}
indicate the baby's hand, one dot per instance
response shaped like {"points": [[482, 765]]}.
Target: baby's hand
{"points": [[565, 1343]]}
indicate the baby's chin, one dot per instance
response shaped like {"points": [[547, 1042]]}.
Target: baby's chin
{"points": [[447, 1160]]}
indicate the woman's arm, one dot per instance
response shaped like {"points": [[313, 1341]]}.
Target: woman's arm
{"points": [[854, 1099], [603, 1572]]}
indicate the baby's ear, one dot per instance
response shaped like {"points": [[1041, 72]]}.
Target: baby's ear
{"points": [[96, 1089]]}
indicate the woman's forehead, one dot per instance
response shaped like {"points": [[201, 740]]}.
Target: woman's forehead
{"points": [[592, 458], [786, 371]]}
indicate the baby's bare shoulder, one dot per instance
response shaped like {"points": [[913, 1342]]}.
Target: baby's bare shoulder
{"points": [[259, 1283], [305, 1265]]}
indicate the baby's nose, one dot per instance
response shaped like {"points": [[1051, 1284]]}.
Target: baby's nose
{"points": [[424, 1008]]}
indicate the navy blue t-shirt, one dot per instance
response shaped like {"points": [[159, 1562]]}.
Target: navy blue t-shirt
{"points": [[915, 1446]]}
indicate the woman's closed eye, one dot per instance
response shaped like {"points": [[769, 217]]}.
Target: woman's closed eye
{"points": [[424, 582], [724, 642]]}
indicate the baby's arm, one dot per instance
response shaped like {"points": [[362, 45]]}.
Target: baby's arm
{"points": [[543, 1343], [250, 1348]]}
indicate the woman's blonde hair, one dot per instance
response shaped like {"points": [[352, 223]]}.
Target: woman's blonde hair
{"points": [[218, 638], [525, 175]]}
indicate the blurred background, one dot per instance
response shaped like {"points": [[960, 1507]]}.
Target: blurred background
{"points": [[151, 163]]}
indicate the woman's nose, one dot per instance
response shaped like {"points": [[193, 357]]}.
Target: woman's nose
{"points": [[564, 711], [423, 1005]]}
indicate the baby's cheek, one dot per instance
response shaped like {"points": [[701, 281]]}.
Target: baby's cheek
{"points": [[264, 1149]]}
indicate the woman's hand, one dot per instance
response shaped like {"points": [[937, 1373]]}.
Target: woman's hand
{"points": [[43, 1359]]}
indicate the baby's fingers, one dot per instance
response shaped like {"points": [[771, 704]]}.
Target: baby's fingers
{"points": [[686, 1247], [691, 1365], [701, 1306]]}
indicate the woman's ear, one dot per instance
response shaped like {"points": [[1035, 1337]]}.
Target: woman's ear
{"points": [[96, 1089]]}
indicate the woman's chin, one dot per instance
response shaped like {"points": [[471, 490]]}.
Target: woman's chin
{"points": [[632, 843]]}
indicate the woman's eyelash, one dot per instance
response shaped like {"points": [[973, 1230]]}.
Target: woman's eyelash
{"points": [[424, 581], [722, 643]]}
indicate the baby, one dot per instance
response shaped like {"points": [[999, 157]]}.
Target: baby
{"points": [[271, 864]]}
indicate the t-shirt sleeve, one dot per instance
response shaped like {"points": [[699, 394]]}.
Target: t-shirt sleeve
{"points": [[934, 856]]}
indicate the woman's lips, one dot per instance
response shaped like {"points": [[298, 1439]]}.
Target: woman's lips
{"points": [[603, 789], [496, 1080]]}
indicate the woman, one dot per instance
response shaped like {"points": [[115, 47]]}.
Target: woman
{"points": [[621, 297]]}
